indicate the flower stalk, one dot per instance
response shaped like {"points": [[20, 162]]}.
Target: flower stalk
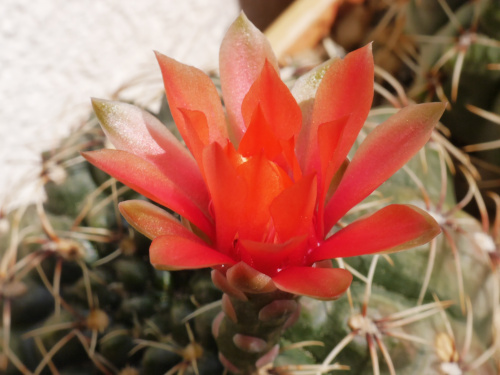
{"points": [[248, 331]]}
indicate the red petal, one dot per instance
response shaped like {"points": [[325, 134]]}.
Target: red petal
{"points": [[259, 138], [242, 55], [134, 130], [278, 105], [393, 228], [189, 88], [320, 283], [345, 90], [292, 211], [196, 127], [228, 191], [148, 180], [329, 139], [268, 258], [305, 88], [179, 253], [304, 91], [152, 221], [337, 177], [386, 149], [264, 182], [290, 163]]}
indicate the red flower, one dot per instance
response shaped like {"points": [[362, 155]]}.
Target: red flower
{"points": [[262, 185]]}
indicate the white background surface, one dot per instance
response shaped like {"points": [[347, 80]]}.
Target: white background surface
{"points": [[56, 54]]}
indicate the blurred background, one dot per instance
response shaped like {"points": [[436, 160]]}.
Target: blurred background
{"points": [[56, 54]]}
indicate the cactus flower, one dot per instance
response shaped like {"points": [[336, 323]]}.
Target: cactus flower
{"points": [[264, 180], [264, 183]]}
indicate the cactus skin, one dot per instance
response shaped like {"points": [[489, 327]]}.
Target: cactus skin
{"points": [[474, 35], [249, 331], [130, 299]]}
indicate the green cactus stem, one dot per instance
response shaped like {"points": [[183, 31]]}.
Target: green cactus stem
{"points": [[249, 328]]}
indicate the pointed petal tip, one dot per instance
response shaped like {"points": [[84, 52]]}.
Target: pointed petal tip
{"points": [[96, 101], [431, 112], [107, 111], [241, 57], [123, 206], [427, 114], [86, 154], [437, 107], [433, 229], [160, 56], [100, 107], [242, 15], [242, 21], [367, 49]]}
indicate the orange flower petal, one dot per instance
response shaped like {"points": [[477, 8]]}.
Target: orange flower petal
{"points": [[259, 138], [320, 283], [329, 139], [393, 228], [385, 150], [264, 182], [196, 127], [228, 191], [242, 55], [278, 105], [189, 88], [304, 91], [145, 178], [292, 211], [152, 221], [346, 89], [179, 253], [134, 130], [268, 258]]}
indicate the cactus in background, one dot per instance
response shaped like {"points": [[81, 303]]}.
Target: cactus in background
{"points": [[458, 57], [79, 295]]}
